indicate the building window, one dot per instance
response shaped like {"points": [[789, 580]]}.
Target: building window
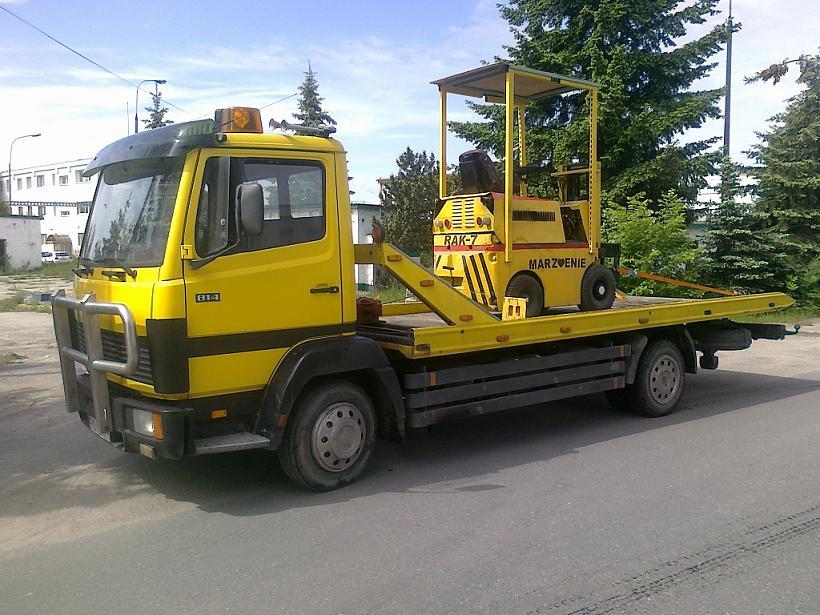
{"points": [[64, 212], [19, 183], [30, 210], [82, 209], [63, 180], [53, 179], [41, 181], [28, 182], [80, 238], [42, 210]]}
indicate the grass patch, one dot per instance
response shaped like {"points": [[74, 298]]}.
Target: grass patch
{"points": [[391, 294], [9, 304], [794, 314], [11, 357], [16, 303], [47, 270]]}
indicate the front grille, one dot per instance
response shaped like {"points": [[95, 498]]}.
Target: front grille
{"points": [[114, 350], [463, 213]]}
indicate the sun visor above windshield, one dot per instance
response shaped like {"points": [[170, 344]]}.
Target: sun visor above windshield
{"points": [[166, 142]]}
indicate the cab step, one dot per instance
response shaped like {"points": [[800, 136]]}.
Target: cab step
{"points": [[241, 441]]}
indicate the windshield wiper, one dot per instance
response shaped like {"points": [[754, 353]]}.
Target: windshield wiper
{"points": [[116, 263], [85, 268]]}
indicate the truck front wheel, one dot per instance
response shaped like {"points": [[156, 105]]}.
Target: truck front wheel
{"points": [[658, 382], [330, 438]]}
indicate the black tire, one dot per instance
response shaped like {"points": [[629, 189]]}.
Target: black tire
{"points": [[528, 287], [317, 451], [659, 381], [597, 288]]}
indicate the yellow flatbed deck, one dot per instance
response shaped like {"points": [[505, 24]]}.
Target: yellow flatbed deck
{"points": [[455, 324]]}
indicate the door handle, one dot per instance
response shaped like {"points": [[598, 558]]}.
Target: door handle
{"points": [[331, 290]]}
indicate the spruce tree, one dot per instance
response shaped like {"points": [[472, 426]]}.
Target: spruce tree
{"points": [[409, 198], [632, 49], [740, 253], [310, 103], [157, 112], [788, 171]]}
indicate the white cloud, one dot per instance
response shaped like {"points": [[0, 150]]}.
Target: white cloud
{"points": [[376, 87]]}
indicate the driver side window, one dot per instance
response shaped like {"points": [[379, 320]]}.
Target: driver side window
{"points": [[294, 203], [213, 228]]}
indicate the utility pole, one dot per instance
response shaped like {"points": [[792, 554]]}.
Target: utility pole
{"points": [[11, 149], [727, 110], [137, 100]]}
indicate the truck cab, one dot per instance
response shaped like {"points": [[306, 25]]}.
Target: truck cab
{"points": [[226, 247]]}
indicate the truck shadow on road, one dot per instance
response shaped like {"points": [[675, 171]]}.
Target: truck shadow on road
{"points": [[464, 455]]}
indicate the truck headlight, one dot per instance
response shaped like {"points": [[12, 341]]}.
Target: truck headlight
{"points": [[147, 423]]}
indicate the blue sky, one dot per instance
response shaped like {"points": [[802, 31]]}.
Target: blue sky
{"points": [[374, 62]]}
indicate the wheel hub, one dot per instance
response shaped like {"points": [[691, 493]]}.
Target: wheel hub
{"points": [[664, 380], [600, 290], [338, 435]]}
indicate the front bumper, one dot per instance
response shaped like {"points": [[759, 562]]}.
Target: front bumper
{"points": [[176, 429], [108, 409], [90, 394]]}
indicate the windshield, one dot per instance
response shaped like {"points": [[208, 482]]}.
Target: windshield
{"points": [[131, 213]]}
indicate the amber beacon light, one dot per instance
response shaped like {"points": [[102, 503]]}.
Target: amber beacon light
{"points": [[238, 119]]}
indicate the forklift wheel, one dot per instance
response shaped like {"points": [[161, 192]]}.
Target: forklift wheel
{"points": [[597, 288], [527, 287]]}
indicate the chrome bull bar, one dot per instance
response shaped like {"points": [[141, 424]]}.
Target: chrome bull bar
{"points": [[93, 359]]}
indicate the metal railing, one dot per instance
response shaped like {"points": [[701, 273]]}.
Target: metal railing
{"points": [[93, 359]]}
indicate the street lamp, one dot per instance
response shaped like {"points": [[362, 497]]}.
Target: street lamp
{"points": [[137, 101], [11, 147]]}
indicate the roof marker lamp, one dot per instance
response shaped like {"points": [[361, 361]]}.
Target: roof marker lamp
{"points": [[238, 119]]}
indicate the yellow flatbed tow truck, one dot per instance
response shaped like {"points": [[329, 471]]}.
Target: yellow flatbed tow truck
{"points": [[216, 311]]}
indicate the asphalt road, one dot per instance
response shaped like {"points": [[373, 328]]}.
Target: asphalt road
{"points": [[565, 508]]}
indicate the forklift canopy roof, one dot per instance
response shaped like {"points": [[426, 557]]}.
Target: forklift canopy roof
{"points": [[489, 82]]}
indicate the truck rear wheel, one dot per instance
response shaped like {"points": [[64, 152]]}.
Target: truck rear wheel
{"points": [[658, 382], [527, 287], [330, 438], [597, 288]]}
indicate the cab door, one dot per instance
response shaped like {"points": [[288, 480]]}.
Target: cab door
{"points": [[263, 294]]}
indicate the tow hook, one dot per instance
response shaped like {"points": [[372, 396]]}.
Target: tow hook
{"points": [[795, 332]]}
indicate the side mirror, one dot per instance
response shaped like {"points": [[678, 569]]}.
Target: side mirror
{"points": [[250, 209]]}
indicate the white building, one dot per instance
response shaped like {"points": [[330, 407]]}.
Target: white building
{"points": [[19, 242], [58, 182], [58, 193], [362, 216]]}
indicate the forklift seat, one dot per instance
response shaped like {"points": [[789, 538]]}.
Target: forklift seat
{"points": [[478, 173]]}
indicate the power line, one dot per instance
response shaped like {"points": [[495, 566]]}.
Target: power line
{"points": [[275, 102], [206, 115], [84, 57]]}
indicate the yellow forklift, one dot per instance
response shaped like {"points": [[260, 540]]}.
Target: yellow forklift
{"points": [[494, 240]]}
